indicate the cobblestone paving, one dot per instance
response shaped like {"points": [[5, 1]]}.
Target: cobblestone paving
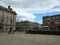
{"points": [[28, 39]]}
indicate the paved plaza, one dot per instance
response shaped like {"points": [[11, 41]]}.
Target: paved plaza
{"points": [[28, 39]]}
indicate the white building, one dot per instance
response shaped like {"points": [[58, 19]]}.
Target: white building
{"points": [[7, 18]]}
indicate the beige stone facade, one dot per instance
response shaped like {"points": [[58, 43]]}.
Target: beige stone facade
{"points": [[52, 23], [26, 25], [7, 18], [51, 20]]}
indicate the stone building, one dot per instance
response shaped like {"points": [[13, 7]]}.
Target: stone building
{"points": [[52, 22], [7, 18], [26, 26]]}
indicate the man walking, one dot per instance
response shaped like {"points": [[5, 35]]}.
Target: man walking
{"points": [[9, 32]]}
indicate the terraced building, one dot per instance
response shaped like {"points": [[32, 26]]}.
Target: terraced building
{"points": [[52, 22], [7, 18]]}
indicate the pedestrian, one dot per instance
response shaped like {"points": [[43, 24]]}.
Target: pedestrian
{"points": [[13, 30], [9, 32]]}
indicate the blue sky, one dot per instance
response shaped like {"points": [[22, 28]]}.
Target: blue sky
{"points": [[39, 16], [33, 10]]}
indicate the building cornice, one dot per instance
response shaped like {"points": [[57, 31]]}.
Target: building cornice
{"points": [[52, 15], [8, 10]]}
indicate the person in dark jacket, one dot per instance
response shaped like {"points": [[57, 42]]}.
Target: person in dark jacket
{"points": [[9, 32]]}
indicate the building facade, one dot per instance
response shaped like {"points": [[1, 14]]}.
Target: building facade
{"points": [[52, 22], [7, 18], [27, 26]]}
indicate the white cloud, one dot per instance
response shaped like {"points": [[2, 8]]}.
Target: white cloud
{"points": [[26, 16], [39, 6], [27, 8], [2, 4], [22, 15]]}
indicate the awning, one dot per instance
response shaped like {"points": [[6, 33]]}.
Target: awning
{"points": [[52, 27]]}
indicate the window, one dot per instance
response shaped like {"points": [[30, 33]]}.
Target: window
{"points": [[7, 19], [54, 18], [11, 19], [0, 19], [45, 19], [52, 23], [58, 22], [48, 23], [48, 18]]}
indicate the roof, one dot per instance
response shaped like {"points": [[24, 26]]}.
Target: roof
{"points": [[52, 16], [8, 10], [26, 22]]}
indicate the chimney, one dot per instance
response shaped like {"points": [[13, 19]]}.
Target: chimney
{"points": [[9, 7]]}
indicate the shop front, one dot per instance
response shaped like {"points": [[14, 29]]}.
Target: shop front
{"points": [[52, 28], [58, 28]]}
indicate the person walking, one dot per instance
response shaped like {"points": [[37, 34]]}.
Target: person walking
{"points": [[9, 32], [13, 30]]}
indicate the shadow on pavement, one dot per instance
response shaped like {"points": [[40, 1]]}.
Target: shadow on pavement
{"points": [[43, 33]]}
